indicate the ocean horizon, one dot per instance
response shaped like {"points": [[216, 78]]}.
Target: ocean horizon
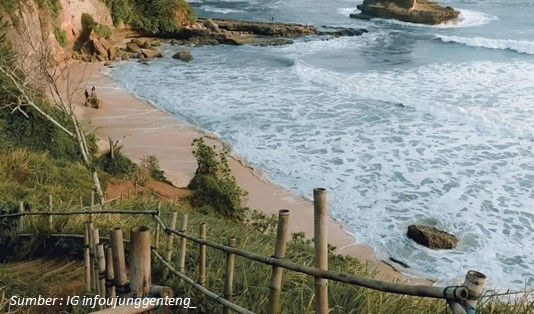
{"points": [[405, 124]]}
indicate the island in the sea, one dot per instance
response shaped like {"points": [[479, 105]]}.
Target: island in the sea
{"points": [[413, 11]]}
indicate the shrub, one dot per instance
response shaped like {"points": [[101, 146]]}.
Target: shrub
{"points": [[61, 36], [103, 30], [55, 7], [89, 24], [118, 166], [155, 16], [214, 185], [87, 21], [151, 164]]}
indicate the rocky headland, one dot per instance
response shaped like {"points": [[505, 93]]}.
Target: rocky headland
{"points": [[412, 11], [144, 47]]}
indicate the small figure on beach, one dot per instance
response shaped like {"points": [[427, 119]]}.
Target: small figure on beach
{"points": [[93, 89], [272, 19], [86, 93]]}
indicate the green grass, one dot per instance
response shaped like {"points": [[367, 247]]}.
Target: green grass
{"points": [[89, 24], [156, 16], [251, 278], [61, 36]]}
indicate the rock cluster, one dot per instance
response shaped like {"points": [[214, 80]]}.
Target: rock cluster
{"points": [[431, 237], [413, 11], [205, 32], [97, 49]]}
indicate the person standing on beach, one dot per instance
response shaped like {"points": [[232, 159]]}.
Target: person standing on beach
{"points": [[86, 93]]}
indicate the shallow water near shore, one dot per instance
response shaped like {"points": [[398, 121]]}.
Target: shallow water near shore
{"points": [[406, 124]]}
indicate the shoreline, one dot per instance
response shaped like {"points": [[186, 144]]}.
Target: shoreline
{"points": [[147, 130]]}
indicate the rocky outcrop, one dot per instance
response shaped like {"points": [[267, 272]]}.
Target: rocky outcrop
{"points": [[235, 32], [413, 11], [183, 55], [431, 237]]}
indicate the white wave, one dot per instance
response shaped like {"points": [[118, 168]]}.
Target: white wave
{"points": [[346, 11], [385, 167], [484, 94], [469, 18], [219, 10], [521, 46]]}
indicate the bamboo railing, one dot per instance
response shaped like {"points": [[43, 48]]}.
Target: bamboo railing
{"points": [[101, 278]]}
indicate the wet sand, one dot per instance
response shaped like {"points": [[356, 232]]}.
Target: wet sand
{"points": [[146, 130]]}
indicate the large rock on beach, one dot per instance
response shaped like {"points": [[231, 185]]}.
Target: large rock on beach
{"points": [[413, 11], [183, 55], [432, 237], [151, 53], [133, 47]]}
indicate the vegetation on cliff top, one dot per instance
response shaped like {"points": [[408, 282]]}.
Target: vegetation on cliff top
{"points": [[155, 16]]}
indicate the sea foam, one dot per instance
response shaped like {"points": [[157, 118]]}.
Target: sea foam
{"points": [[521, 46], [458, 155]]}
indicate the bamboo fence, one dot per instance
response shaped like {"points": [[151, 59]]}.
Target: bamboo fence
{"points": [[105, 267]]}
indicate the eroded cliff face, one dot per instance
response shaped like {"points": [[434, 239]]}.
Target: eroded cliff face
{"points": [[70, 17], [37, 26]]}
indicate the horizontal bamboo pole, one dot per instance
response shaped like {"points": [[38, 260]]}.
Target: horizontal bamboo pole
{"points": [[66, 235], [84, 212], [458, 293], [236, 308]]}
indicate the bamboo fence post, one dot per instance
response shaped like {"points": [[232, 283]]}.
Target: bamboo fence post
{"points": [[87, 256], [158, 228], [96, 241], [229, 280], [474, 282], [320, 249], [140, 272], [50, 217], [170, 239], [128, 193], [202, 262], [135, 189], [279, 252], [91, 255], [183, 244], [119, 262], [120, 200], [92, 208], [101, 270], [456, 307], [110, 276], [81, 201], [21, 217]]}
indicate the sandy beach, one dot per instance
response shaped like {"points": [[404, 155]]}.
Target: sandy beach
{"points": [[146, 130]]}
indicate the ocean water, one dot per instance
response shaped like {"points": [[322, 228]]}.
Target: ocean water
{"points": [[405, 124]]}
